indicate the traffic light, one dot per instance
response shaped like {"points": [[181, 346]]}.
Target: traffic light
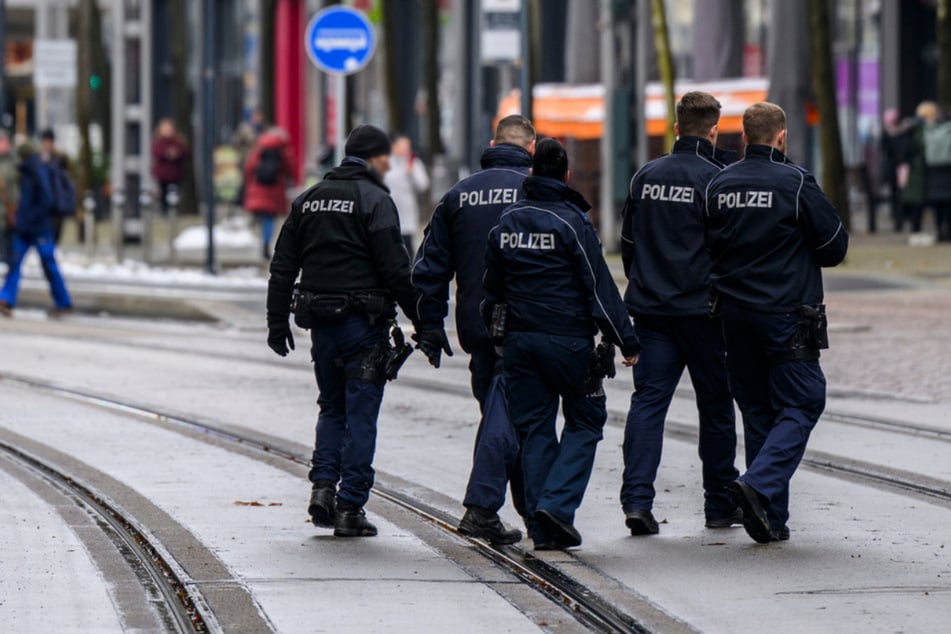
{"points": [[95, 81]]}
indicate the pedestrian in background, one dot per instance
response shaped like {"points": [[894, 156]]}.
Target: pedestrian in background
{"points": [[34, 228], [9, 197], [770, 229], [544, 265], [170, 153], [52, 157], [937, 144], [407, 179], [268, 171], [342, 237], [454, 247], [665, 255]]}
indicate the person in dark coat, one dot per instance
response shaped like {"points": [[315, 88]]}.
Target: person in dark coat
{"points": [[268, 170], [34, 228], [57, 160], [170, 153]]}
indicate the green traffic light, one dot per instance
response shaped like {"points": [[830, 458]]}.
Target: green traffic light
{"points": [[95, 81]]}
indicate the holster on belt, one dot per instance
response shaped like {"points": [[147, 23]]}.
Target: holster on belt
{"points": [[812, 335]]}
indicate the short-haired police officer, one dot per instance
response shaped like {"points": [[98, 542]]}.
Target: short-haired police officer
{"points": [[454, 245], [770, 229], [343, 237], [668, 267], [544, 263]]}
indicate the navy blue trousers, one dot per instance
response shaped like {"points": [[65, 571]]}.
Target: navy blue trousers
{"points": [[496, 458], [349, 407], [670, 344], [780, 402], [540, 369]]}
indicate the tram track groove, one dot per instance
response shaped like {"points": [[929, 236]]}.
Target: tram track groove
{"points": [[587, 607], [182, 606]]}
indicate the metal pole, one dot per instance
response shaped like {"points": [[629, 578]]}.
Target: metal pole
{"points": [[340, 134], [118, 162], [174, 199], [607, 224], [145, 207], [89, 222], [118, 223], [208, 125], [3, 64], [644, 43], [525, 71]]}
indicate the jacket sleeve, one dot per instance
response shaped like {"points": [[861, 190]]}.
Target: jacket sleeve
{"points": [[390, 258], [433, 268], [607, 308], [285, 266], [821, 224], [493, 281], [627, 234]]}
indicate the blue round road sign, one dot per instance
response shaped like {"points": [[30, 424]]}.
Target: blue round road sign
{"points": [[340, 40]]}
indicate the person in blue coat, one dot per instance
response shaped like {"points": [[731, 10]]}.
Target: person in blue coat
{"points": [[454, 246], [34, 228], [770, 230], [668, 267], [544, 264]]}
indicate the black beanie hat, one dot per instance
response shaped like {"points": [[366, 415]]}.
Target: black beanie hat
{"points": [[367, 141]]}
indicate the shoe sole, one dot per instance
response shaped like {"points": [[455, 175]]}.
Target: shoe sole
{"points": [[354, 533], [726, 522], [320, 516], [475, 533], [754, 516], [553, 527], [639, 527]]}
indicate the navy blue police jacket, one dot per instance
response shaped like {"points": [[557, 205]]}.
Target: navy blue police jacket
{"points": [[455, 239], [342, 236], [34, 213], [544, 261], [770, 229], [663, 242]]}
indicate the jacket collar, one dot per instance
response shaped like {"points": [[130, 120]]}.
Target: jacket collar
{"points": [[356, 169], [766, 152], [694, 145], [506, 155], [545, 189]]}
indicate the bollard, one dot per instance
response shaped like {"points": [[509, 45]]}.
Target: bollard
{"points": [[118, 223], [145, 207], [174, 200], [89, 223]]}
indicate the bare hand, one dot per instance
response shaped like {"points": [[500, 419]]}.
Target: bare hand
{"points": [[631, 361]]}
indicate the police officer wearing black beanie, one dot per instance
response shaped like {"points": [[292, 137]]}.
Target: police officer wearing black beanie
{"points": [[343, 237]]}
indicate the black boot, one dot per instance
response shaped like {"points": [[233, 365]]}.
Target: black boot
{"points": [[479, 522], [352, 522], [322, 504]]}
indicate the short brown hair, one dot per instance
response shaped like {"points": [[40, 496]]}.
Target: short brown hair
{"points": [[515, 129], [762, 122], [697, 112]]}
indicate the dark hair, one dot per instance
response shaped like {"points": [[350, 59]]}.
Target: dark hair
{"points": [[48, 135], [762, 122], [697, 112], [515, 129], [550, 160]]}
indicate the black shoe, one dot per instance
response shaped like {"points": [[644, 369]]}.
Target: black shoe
{"points": [[352, 522], [484, 524], [546, 546], [322, 507], [782, 534], [754, 514], [562, 533], [736, 517], [6, 309], [641, 522]]}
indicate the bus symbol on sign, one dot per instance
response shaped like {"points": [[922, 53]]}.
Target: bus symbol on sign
{"points": [[340, 40]]}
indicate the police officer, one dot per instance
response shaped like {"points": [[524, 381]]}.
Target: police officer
{"points": [[770, 230], [668, 267], [454, 245], [343, 237], [544, 263]]}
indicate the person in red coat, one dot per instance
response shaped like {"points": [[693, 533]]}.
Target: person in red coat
{"points": [[170, 153], [268, 171]]}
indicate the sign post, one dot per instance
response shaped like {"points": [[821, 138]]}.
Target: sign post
{"points": [[340, 41]]}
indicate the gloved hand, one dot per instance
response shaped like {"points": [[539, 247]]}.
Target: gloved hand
{"points": [[433, 342], [280, 338]]}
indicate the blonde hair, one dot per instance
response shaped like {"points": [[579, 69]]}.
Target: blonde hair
{"points": [[928, 110]]}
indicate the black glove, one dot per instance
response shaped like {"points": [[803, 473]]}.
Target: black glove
{"points": [[433, 342], [280, 338]]}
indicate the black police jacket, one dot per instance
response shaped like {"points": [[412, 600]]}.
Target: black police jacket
{"points": [[663, 244], [454, 242], [342, 235], [770, 229], [544, 261]]}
